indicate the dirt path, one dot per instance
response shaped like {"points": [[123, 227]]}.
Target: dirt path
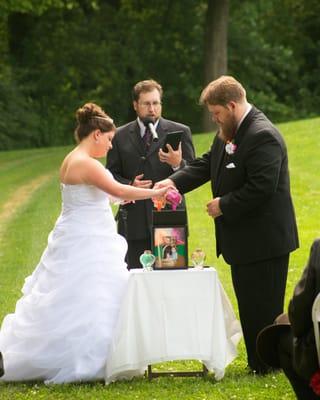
{"points": [[19, 197]]}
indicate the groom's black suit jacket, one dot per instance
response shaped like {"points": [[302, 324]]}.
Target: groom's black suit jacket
{"points": [[258, 221], [128, 158]]}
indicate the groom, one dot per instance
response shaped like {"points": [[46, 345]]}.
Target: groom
{"points": [[251, 206]]}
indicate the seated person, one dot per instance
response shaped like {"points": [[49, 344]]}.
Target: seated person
{"points": [[1, 365], [289, 343]]}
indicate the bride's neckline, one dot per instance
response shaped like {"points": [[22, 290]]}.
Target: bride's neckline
{"points": [[74, 184]]}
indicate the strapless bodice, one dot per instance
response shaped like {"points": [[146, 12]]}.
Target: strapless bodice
{"points": [[84, 205], [82, 195]]}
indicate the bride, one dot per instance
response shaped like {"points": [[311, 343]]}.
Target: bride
{"points": [[63, 324]]}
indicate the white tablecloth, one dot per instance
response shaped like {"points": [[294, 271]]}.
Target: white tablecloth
{"points": [[173, 315]]}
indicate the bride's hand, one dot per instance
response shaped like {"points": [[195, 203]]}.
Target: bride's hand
{"points": [[161, 192]]}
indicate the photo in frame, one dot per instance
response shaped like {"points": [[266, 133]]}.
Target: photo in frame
{"points": [[170, 247]]}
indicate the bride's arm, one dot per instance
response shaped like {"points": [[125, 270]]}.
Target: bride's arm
{"points": [[95, 174]]}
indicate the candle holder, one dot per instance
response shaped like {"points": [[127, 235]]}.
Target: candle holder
{"points": [[159, 203], [147, 260], [174, 198], [198, 257]]}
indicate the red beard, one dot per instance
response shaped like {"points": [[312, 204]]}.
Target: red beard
{"points": [[228, 129]]}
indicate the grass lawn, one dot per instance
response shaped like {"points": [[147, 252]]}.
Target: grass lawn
{"points": [[29, 205]]}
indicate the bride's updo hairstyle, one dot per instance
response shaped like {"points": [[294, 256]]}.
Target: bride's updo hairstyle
{"points": [[91, 117]]}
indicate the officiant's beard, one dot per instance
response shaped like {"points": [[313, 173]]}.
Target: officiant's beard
{"points": [[227, 129]]}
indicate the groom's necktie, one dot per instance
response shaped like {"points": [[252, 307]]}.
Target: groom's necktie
{"points": [[147, 138]]}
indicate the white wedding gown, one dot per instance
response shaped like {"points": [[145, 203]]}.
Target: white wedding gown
{"points": [[64, 322]]}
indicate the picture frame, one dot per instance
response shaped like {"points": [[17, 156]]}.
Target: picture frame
{"points": [[170, 247]]}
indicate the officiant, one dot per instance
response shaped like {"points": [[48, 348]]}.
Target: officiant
{"points": [[138, 160]]}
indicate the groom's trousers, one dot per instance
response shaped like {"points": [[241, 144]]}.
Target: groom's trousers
{"points": [[260, 290]]}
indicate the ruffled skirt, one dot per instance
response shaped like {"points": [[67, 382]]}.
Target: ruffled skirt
{"points": [[64, 322]]}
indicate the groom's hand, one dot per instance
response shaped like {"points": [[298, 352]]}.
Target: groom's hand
{"points": [[213, 208], [164, 183]]}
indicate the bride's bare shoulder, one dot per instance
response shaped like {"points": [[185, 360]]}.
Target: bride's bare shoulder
{"points": [[75, 167]]}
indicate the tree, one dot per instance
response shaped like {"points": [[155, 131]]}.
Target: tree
{"points": [[216, 46], [57, 54]]}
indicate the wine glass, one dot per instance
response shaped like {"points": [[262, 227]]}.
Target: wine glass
{"points": [[147, 260], [198, 257]]}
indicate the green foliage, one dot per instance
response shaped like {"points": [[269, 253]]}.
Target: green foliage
{"points": [[278, 54], [33, 6], [305, 44], [58, 54], [265, 66], [170, 36], [20, 119], [97, 60]]}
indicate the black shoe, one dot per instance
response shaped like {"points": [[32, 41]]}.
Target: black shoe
{"points": [[1, 365]]}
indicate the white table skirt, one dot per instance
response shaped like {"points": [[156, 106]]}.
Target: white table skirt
{"points": [[173, 315]]}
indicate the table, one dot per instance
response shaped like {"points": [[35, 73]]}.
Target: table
{"points": [[173, 315]]}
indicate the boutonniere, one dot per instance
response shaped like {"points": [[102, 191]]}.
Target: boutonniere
{"points": [[315, 382], [230, 147]]}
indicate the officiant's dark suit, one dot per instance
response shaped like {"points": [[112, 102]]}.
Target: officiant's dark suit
{"points": [[131, 157], [254, 216]]}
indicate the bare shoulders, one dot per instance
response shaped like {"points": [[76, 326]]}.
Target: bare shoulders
{"points": [[74, 168]]}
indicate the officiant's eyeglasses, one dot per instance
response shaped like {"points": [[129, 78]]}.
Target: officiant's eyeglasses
{"points": [[148, 104]]}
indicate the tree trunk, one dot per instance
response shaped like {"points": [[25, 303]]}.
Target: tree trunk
{"points": [[215, 55]]}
